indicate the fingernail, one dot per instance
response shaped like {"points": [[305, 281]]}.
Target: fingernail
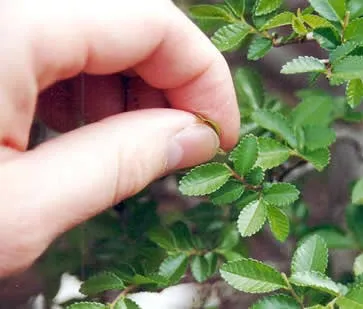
{"points": [[191, 146]]}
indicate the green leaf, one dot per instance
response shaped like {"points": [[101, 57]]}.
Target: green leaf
{"points": [[249, 88], [237, 6], [310, 255], [315, 21], [259, 48], [342, 51], [87, 305], [271, 153], [229, 237], [354, 92], [279, 20], [357, 193], [247, 197], [353, 299], [102, 282], [244, 156], [354, 219], [333, 10], [355, 7], [252, 276], [252, 218], [125, 303], [358, 265], [319, 158], [276, 123], [264, 7], [255, 176], [353, 32], [174, 267], [200, 268], [280, 194], [314, 110], [229, 37], [298, 26], [349, 68], [211, 12], [182, 235], [335, 238], [328, 38], [228, 193], [318, 137], [162, 237], [279, 223], [204, 179], [316, 281], [276, 302], [303, 64]]}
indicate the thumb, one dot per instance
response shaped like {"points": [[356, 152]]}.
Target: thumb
{"points": [[76, 176]]}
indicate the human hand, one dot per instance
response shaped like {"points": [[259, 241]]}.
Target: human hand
{"points": [[67, 180]]}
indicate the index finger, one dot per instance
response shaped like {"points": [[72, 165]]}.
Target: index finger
{"points": [[168, 51]]}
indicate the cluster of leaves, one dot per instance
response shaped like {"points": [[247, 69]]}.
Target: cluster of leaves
{"points": [[244, 189], [334, 25]]}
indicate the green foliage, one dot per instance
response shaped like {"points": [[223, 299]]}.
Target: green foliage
{"points": [[229, 37], [205, 179], [252, 276], [102, 282], [311, 255], [245, 188], [303, 65]]}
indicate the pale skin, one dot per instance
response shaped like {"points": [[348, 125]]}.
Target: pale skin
{"points": [[65, 181]]}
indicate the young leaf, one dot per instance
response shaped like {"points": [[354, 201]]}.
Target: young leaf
{"points": [[310, 255], [349, 68], [354, 92], [353, 299], [174, 267], [200, 268], [328, 38], [358, 265], [280, 194], [279, 223], [353, 32], [282, 19], [228, 193], [303, 64], [318, 136], [276, 302], [333, 10], [264, 7], [230, 36], [259, 48], [318, 158], [249, 88], [237, 6], [315, 21], [255, 176], [316, 281], [276, 123], [126, 303], [342, 51], [244, 155], [87, 305], [212, 12], [271, 153], [252, 218], [313, 110], [252, 276], [204, 179], [357, 193], [298, 26], [102, 282]]}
